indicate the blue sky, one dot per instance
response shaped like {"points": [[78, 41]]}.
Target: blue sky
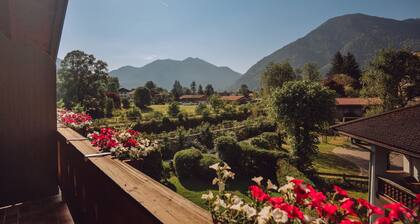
{"points": [[234, 33]]}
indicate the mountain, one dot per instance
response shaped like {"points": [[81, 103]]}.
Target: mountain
{"points": [[165, 72], [360, 34]]}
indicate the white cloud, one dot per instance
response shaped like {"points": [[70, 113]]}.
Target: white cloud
{"points": [[164, 3], [150, 57]]}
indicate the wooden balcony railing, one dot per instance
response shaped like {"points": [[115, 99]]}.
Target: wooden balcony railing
{"points": [[106, 190], [396, 192]]}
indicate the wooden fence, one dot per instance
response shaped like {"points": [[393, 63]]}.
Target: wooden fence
{"points": [[100, 189]]}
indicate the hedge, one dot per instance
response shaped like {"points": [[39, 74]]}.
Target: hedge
{"points": [[152, 165], [187, 162], [205, 172], [171, 124], [252, 131], [247, 160]]}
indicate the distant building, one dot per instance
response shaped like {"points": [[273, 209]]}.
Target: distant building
{"points": [[352, 108], [193, 98], [396, 132], [236, 99], [123, 92]]}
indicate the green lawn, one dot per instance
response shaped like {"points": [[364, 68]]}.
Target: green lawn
{"points": [[193, 189], [188, 109], [327, 162]]}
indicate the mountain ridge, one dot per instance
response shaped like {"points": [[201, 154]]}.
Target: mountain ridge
{"points": [[164, 72], [363, 35]]}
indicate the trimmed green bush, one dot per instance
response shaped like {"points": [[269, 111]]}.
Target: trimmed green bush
{"points": [[275, 139], [261, 143], [229, 151], [205, 173], [133, 114], [285, 169], [187, 162], [247, 160]]}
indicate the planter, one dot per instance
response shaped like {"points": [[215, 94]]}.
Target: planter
{"points": [[138, 164]]}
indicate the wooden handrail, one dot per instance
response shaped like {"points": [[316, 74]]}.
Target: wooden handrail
{"points": [[396, 192], [106, 190]]}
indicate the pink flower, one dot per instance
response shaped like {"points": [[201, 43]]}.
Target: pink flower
{"points": [[276, 201], [372, 209], [258, 194], [397, 211], [340, 191], [347, 206], [329, 209], [348, 221], [383, 220]]}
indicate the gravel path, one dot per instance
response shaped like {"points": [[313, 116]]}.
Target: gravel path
{"points": [[356, 156], [361, 158]]}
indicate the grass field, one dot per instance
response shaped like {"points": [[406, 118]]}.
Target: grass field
{"points": [[188, 109], [193, 189]]}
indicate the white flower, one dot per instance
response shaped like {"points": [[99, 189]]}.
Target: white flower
{"points": [[237, 207], [214, 166], [208, 196], [249, 211], [279, 216], [229, 174], [219, 203], [286, 187], [264, 215], [257, 180], [270, 185], [215, 181]]}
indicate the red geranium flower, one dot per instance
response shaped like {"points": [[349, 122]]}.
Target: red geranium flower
{"points": [[258, 194], [372, 209], [383, 220], [340, 191]]}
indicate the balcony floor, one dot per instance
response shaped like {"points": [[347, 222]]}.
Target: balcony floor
{"points": [[51, 210]]}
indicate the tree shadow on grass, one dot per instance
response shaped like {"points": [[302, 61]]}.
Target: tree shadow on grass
{"points": [[194, 184]]}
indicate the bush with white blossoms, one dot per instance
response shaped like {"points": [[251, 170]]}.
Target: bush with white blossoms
{"points": [[297, 202]]}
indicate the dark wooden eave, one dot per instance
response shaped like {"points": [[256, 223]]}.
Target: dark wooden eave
{"points": [[397, 130]]}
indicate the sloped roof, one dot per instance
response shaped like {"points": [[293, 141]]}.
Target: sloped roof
{"points": [[183, 97], [357, 101], [397, 130], [232, 98]]}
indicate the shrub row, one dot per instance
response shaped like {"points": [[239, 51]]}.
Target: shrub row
{"points": [[254, 130], [171, 124], [269, 140], [191, 163], [247, 160]]}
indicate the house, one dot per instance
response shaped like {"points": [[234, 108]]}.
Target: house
{"points": [[47, 172], [193, 99], [235, 99], [123, 92], [397, 131], [352, 108]]}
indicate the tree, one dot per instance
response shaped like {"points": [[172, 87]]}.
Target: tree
{"points": [[177, 90], [216, 103], [150, 85], [173, 109], [244, 90], [142, 97], [193, 88], [109, 107], [200, 90], [209, 90], [82, 79], [113, 84], [310, 71], [352, 69], [346, 65], [304, 108], [275, 75], [394, 76], [337, 64]]}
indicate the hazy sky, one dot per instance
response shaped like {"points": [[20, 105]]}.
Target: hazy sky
{"points": [[234, 33]]}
